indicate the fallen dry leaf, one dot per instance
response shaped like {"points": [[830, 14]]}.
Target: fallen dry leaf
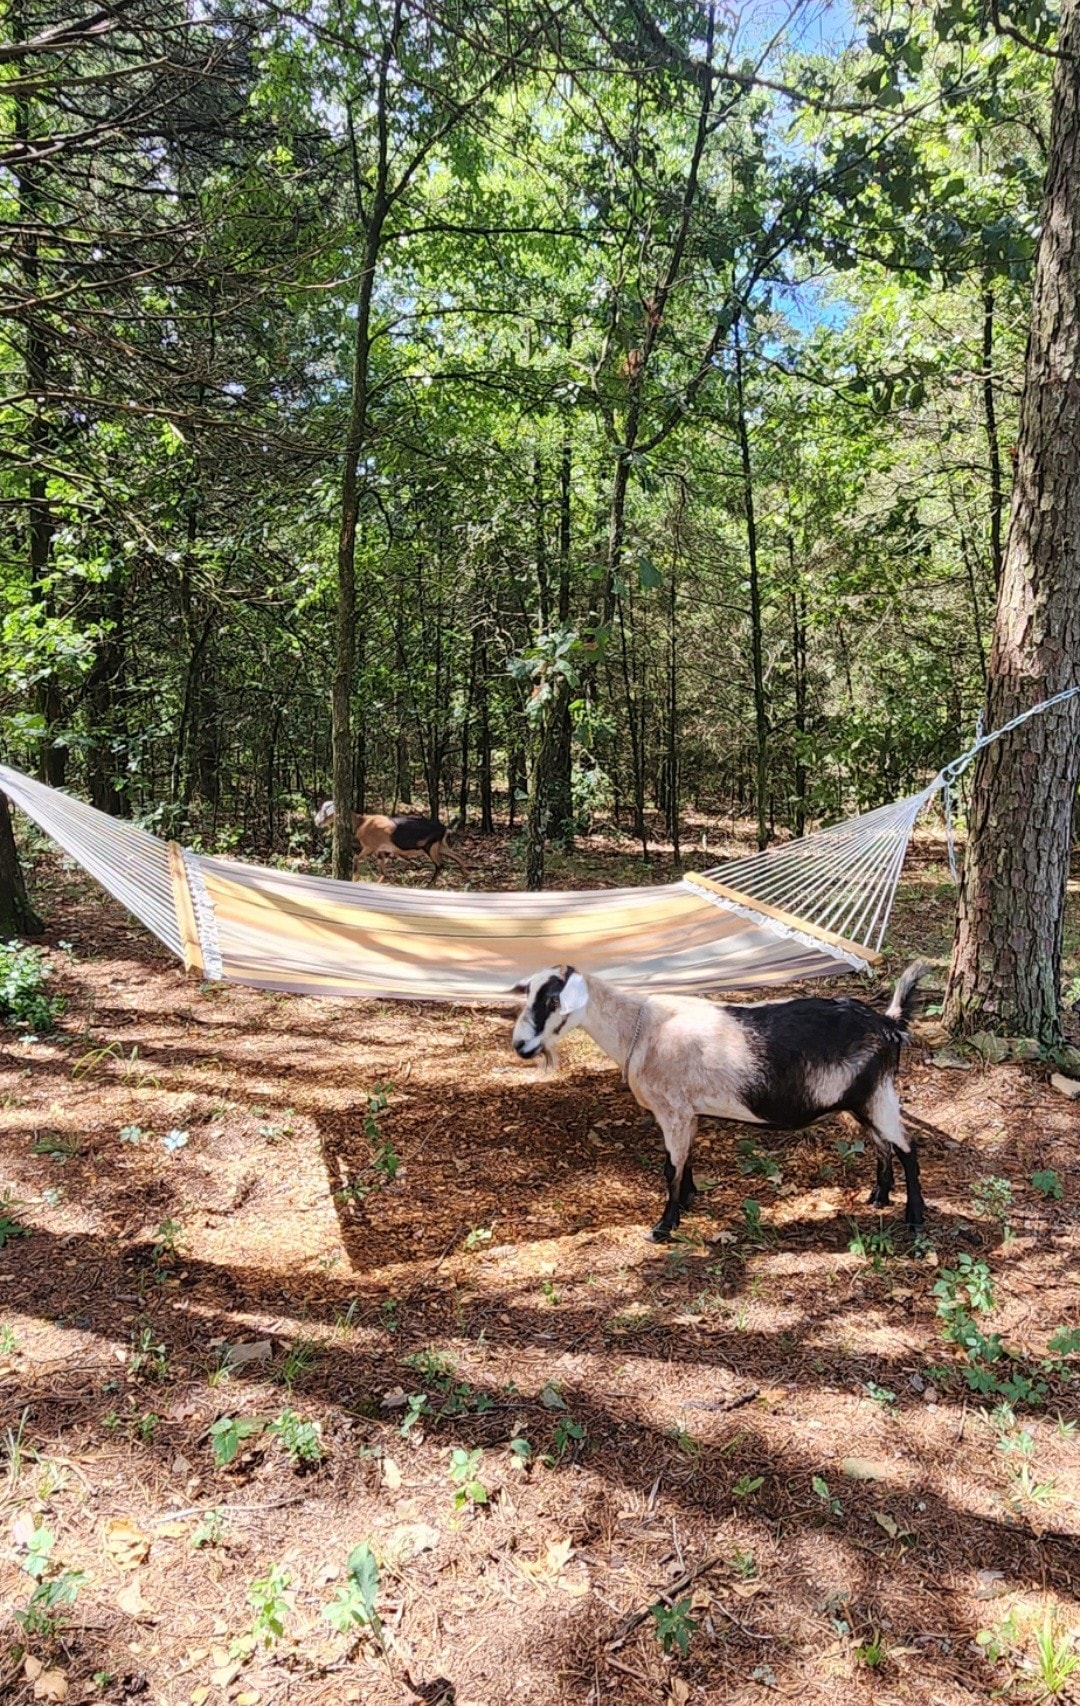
{"points": [[198, 1695], [391, 1474], [126, 1544], [51, 1685], [886, 1522], [225, 1674], [172, 1530], [250, 1697], [131, 1601], [32, 1668]]}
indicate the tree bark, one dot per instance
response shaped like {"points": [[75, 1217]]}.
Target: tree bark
{"points": [[1006, 966], [761, 715], [17, 916], [997, 490]]}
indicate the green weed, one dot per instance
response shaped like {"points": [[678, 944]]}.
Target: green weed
{"points": [[674, 1625]]}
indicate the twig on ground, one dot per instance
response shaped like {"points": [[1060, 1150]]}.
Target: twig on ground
{"points": [[630, 1623]]}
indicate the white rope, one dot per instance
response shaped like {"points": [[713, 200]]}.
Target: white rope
{"points": [[954, 770]]}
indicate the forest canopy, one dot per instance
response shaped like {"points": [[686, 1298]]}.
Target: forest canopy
{"points": [[612, 404]]}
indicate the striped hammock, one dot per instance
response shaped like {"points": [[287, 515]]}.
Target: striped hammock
{"points": [[809, 908]]}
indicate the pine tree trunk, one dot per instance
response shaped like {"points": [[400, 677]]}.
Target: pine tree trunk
{"points": [[1006, 966], [17, 916], [761, 715]]}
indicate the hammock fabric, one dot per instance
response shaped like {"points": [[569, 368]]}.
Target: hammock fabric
{"points": [[810, 908]]}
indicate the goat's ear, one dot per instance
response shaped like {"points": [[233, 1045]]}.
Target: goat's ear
{"points": [[574, 994], [521, 988]]}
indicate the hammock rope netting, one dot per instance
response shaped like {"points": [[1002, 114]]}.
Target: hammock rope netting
{"points": [[812, 907]]}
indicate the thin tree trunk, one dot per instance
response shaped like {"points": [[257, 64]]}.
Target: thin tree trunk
{"points": [[1006, 965], [487, 818], [761, 714], [561, 801], [17, 916], [355, 440]]}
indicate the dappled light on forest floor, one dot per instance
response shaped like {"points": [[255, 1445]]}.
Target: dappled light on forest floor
{"points": [[404, 1283]]}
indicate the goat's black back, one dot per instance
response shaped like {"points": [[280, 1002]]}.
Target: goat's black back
{"points": [[801, 1044], [416, 834]]}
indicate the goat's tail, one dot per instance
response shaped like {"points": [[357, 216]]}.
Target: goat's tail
{"points": [[902, 1005]]}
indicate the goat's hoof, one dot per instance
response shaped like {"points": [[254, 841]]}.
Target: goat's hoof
{"points": [[879, 1199], [660, 1234]]}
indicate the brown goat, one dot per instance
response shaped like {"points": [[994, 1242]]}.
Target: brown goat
{"points": [[407, 837]]}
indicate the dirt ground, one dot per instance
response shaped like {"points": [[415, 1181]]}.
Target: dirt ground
{"points": [[758, 1440]]}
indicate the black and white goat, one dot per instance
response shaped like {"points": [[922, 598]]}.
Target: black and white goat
{"points": [[778, 1063]]}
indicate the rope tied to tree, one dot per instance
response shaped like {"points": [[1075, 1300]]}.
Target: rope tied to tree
{"points": [[952, 771]]}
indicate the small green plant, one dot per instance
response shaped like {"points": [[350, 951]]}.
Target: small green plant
{"points": [[299, 1439], [828, 1499], [849, 1152], [521, 1450], [567, 1433], [674, 1625], [52, 1592], [416, 1406], [228, 1434], [871, 1653], [1056, 1658], [873, 1246], [148, 1358], [880, 1394], [9, 1341], [1066, 1342], [993, 1196], [299, 1357], [211, 1530], [1024, 1489], [56, 1147], [166, 1239], [997, 1643], [685, 1441], [10, 1227], [747, 1484], [465, 1474], [743, 1565], [267, 1597], [353, 1605], [146, 1426], [756, 1230], [1047, 1184], [754, 1162], [390, 1310], [23, 998], [132, 1134], [548, 1288], [479, 1236]]}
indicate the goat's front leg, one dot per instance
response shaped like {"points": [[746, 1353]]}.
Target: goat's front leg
{"points": [[679, 1131]]}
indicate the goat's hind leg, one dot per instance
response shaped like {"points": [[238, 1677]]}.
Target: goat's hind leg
{"points": [[883, 1120]]}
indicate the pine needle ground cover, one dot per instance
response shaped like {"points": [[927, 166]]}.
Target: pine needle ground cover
{"points": [[334, 1365]]}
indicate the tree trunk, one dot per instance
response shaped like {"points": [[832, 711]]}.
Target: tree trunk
{"points": [[761, 716], [997, 490], [561, 799], [355, 440], [487, 819], [1006, 966], [17, 916]]}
